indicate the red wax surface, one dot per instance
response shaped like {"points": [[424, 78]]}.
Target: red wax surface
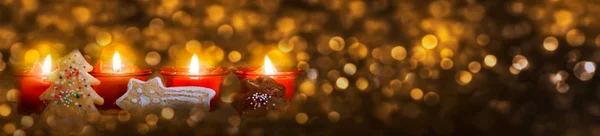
{"points": [[114, 84], [208, 78], [31, 88], [287, 78], [32, 83], [113, 87]]}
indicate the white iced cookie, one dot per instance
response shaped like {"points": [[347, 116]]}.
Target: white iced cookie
{"points": [[153, 96]]}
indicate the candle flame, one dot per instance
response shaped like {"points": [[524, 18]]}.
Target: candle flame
{"points": [[46, 67], [194, 65], [268, 66], [116, 62]]}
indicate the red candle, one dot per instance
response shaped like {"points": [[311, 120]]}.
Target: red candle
{"points": [[286, 77], [114, 80], [32, 83], [197, 76]]}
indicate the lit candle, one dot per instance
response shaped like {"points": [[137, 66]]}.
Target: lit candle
{"points": [[114, 80], [285, 77], [196, 75], [32, 83]]}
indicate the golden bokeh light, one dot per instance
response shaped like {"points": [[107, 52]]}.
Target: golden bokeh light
{"points": [[303, 65], [431, 98], [327, 88], [520, 62], [32, 56], [416, 94], [429, 41], [596, 41], [153, 58], [362, 83], [358, 51], [81, 14], [419, 53], [342, 83], [234, 56], [193, 46], [19, 132], [284, 46], [151, 119], [12, 94], [333, 116], [5, 110], [286, 25], [301, 118], [474, 67], [396, 84], [308, 87], [446, 53], [215, 13], [27, 121], [575, 37], [225, 31], [490, 60], [559, 77], [398, 53], [584, 70], [303, 56], [550, 43], [463, 77], [446, 63], [562, 87], [123, 116], [349, 68], [387, 92], [483, 39], [9, 128], [103, 38], [143, 128], [167, 113], [337, 43]]}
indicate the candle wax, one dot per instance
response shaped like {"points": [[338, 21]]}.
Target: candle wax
{"points": [[29, 99], [113, 87], [208, 78]]}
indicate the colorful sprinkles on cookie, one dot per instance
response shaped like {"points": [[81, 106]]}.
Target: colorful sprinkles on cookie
{"points": [[258, 100], [67, 94], [70, 99]]}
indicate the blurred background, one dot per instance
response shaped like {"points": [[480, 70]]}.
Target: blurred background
{"points": [[373, 67]]}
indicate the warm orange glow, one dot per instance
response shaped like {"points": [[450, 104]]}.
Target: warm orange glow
{"points": [[117, 62], [194, 65], [268, 66], [46, 68]]}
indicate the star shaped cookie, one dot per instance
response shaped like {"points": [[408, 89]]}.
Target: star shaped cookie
{"points": [[153, 96]]}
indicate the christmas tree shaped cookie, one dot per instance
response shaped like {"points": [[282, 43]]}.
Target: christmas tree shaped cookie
{"points": [[70, 99]]}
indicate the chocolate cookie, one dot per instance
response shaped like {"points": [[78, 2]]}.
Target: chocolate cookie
{"points": [[259, 96]]}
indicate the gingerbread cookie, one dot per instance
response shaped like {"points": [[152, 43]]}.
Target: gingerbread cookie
{"points": [[70, 99], [153, 96], [259, 96]]}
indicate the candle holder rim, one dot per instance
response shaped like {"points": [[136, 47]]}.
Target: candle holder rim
{"points": [[173, 71], [251, 71], [25, 73], [140, 72]]}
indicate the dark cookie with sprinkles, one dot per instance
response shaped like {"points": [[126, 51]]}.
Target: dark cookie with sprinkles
{"points": [[262, 95]]}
